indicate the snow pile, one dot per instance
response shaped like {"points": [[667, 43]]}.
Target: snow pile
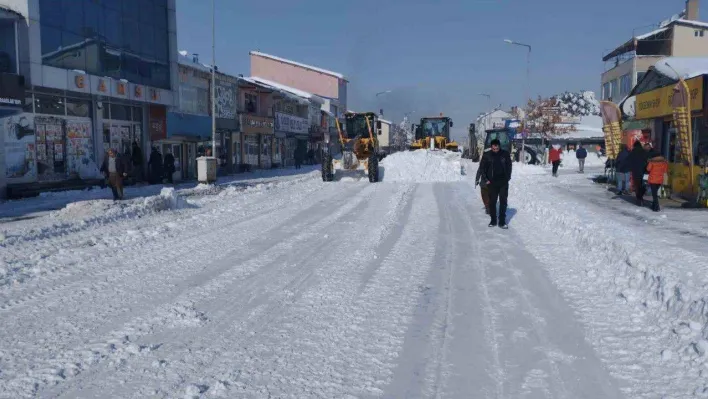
{"points": [[422, 166]]}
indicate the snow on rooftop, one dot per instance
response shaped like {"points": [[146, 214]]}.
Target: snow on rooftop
{"points": [[314, 68], [686, 67], [652, 33], [690, 22], [184, 58], [292, 90], [589, 127]]}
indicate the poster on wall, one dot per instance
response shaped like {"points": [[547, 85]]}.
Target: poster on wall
{"points": [[79, 151], [18, 132], [50, 158]]}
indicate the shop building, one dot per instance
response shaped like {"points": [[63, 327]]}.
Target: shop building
{"points": [[296, 114], [682, 35], [189, 123], [256, 146], [98, 75], [327, 85], [649, 116]]}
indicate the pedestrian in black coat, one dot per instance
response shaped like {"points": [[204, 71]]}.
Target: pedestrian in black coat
{"points": [[496, 173], [637, 164], [169, 167], [155, 165]]}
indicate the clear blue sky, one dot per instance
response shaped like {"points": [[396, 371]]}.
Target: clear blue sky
{"points": [[436, 56]]}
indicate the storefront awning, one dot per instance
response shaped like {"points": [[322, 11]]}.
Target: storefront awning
{"points": [[181, 124]]}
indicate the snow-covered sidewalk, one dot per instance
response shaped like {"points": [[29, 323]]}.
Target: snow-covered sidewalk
{"points": [[30, 208]]}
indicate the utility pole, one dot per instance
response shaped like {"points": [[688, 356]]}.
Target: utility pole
{"points": [[528, 91], [213, 78]]}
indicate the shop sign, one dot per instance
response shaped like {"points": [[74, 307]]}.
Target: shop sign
{"points": [[80, 81], [657, 103], [154, 94], [225, 99], [158, 123], [12, 89], [121, 89], [292, 124], [138, 92], [102, 86], [252, 124]]}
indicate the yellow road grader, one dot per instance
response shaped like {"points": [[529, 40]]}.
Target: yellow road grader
{"points": [[433, 133], [359, 148]]}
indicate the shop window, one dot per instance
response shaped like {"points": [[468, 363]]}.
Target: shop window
{"points": [[120, 112], [251, 102], [625, 85], [78, 108], [49, 105], [28, 106], [137, 114], [8, 52]]}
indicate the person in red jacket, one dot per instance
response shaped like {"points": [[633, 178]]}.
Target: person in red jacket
{"points": [[657, 168], [554, 156]]}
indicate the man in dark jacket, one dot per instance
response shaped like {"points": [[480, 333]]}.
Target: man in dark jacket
{"points": [[496, 172], [155, 166], [114, 170], [637, 165], [136, 157], [622, 170], [581, 154]]}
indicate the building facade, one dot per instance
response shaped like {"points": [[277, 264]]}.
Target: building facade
{"points": [[327, 85], [682, 35], [97, 75], [255, 146]]}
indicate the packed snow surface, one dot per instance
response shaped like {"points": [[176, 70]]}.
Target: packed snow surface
{"points": [[423, 166], [294, 288]]}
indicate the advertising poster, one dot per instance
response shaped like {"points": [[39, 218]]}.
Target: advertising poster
{"points": [[18, 132]]}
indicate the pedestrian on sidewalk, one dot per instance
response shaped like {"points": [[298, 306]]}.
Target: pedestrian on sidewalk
{"points": [[496, 173], [114, 170], [484, 190], [637, 164], [169, 167], [622, 170], [581, 153], [554, 156], [657, 168], [155, 166], [137, 159]]}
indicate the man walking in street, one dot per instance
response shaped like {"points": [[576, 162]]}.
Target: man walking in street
{"points": [[114, 170], [496, 173], [581, 153]]}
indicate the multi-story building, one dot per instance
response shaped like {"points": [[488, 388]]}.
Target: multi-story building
{"points": [[97, 75], [681, 35], [256, 145], [295, 121], [327, 85]]}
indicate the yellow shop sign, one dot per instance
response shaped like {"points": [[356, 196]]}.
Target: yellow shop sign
{"points": [[657, 103]]}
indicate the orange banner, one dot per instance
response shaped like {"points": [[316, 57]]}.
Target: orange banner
{"points": [[612, 127]]}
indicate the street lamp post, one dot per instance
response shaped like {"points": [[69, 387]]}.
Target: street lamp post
{"points": [[377, 96], [213, 78], [528, 91]]}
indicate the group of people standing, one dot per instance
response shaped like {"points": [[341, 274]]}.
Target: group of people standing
{"points": [[633, 165], [117, 168]]}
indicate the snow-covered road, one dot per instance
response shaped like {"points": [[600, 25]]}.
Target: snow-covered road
{"points": [[297, 288]]}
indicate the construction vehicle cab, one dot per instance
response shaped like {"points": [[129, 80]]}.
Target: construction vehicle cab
{"points": [[433, 133], [359, 143]]}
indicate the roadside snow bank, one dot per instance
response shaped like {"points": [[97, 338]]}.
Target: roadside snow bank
{"points": [[624, 274], [423, 166], [591, 160]]}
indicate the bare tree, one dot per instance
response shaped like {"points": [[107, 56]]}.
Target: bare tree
{"points": [[544, 116]]}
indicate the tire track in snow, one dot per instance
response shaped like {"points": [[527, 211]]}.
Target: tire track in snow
{"points": [[257, 294], [193, 249], [218, 343], [333, 341]]}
